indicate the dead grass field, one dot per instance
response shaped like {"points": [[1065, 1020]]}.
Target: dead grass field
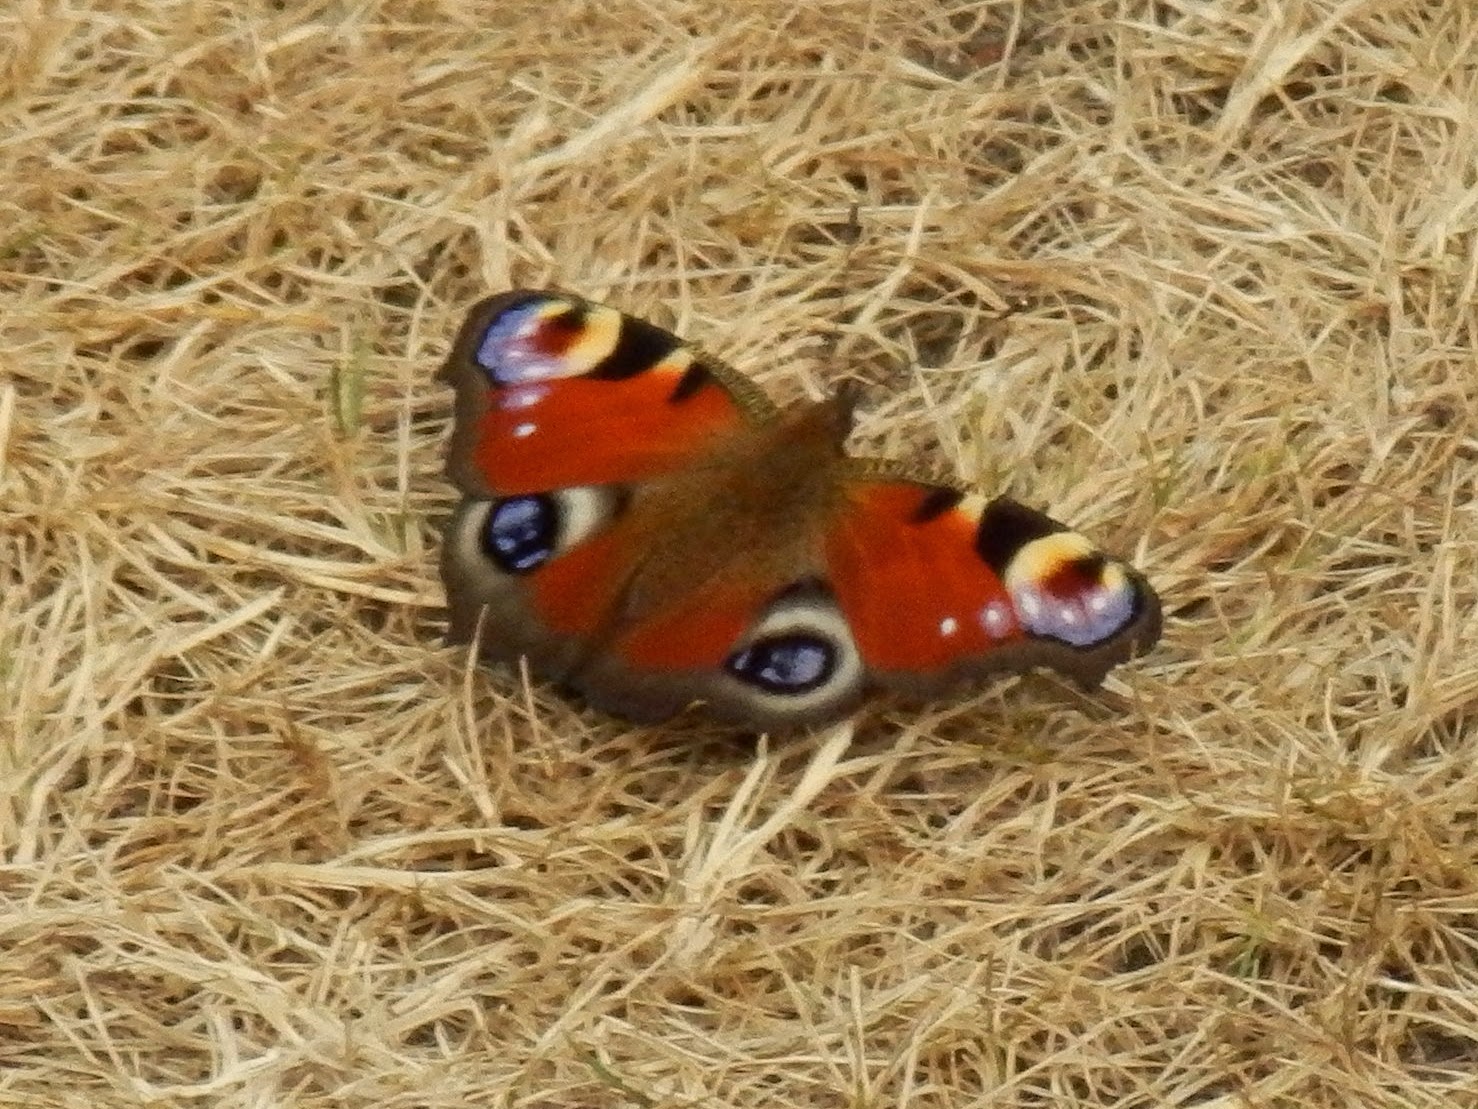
{"points": [[1200, 276]]}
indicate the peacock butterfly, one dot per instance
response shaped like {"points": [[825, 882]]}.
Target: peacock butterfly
{"points": [[644, 526]]}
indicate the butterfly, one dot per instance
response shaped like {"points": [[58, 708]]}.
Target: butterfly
{"points": [[645, 527]]}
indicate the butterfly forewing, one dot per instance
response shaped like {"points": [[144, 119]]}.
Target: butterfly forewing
{"points": [[939, 586], [555, 391]]}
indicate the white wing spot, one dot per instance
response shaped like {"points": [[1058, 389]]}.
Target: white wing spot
{"points": [[523, 431], [524, 396], [948, 626], [995, 619]]}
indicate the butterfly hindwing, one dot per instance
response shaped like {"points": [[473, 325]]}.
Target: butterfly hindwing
{"points": [[541, 577], [534, 574], [770, 655], [938, 587]]}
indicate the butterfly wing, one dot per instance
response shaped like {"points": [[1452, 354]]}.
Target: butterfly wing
{"points": [[563, 408], [554, 391], [939, 587], [545, 577]]}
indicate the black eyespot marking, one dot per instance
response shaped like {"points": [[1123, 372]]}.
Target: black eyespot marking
{"points": [[791, 664], [639, 347], [695, 379], [936, 504], [1006, 527], [521, 533]]}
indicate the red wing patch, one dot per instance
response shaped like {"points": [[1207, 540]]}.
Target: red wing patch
{"points": [[590, 432], [575, 593], [700, 634], [914, 591]]}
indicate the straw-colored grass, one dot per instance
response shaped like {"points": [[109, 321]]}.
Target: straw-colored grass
{"points": [[1199, 276]]}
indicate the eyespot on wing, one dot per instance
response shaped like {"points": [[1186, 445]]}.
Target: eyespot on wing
{"points": [[554, 391], [939, 586]]}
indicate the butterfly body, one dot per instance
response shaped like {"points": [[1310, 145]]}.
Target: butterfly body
{"points": [[644, 526], [753, 509]]}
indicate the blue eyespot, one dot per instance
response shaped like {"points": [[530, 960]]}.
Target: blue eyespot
{"points": [[510, 351], [786, 664], [521, 533]]}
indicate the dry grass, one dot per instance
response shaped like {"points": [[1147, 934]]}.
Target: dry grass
{"points": [[1197, 275]]}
